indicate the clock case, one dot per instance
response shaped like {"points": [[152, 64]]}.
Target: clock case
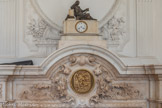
{"points": [[70, 27], [83, 23]]}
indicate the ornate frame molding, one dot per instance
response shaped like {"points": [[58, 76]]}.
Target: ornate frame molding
{"points": [[90, 49]]}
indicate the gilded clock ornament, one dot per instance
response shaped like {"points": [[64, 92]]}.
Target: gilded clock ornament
{"points": [[82, 81], [81, 26]]}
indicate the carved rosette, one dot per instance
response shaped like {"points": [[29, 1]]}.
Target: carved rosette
{"points": [[79, 76]]}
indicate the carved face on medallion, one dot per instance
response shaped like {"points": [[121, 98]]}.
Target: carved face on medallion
{"points": [[82, 81]]}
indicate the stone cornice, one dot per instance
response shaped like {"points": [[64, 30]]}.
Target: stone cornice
{"points": [[6, 70]]}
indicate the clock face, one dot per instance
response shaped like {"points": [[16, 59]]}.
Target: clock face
{"points": [[81, 27]]}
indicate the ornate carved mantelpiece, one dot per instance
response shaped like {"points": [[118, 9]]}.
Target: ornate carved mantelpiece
{"points": [[76, 76], [81, 72], [82, 80]]}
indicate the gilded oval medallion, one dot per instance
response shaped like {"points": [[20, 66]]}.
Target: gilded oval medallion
{"points": [[82, 81]]}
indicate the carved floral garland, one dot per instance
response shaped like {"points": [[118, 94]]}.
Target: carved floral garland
{"points": [[37, 28], [57, 90], [114, 31]]}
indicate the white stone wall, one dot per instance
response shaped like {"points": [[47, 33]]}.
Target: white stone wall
{"points": [[8, 28], [157, 33], [140, 39]]}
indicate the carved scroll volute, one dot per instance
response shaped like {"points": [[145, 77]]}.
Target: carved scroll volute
{"points": [[82, 60]]}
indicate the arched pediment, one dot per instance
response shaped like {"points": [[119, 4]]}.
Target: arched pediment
{"points": [[84, 49], [82, 76]]}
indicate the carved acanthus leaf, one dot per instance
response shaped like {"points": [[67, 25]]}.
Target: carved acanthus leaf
{"points": [[108, 90], [57, 90], [115, 32]]}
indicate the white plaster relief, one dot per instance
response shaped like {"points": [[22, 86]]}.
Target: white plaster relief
{"points": [[115, 33], [113, 26], [115, 30], [40, 37]]}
